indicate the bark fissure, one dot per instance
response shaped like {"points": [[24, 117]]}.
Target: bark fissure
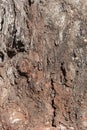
{"points": [[53, 103], [63, 71], [30, 2], [2, 20], [14, 26]]}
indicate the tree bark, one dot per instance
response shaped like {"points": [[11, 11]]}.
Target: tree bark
{"points": [[43, 64]]}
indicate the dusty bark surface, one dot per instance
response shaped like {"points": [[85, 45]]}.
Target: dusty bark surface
{"points": [[43, 64]]}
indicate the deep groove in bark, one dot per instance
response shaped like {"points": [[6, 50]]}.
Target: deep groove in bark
{"points": [[2, 22], [30, 2], [63, 69], [53, 104], [14, 27]]}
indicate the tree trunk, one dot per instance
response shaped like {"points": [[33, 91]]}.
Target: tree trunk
{"points": [[43, 64]]}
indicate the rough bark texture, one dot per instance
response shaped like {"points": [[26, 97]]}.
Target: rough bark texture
{"points": [[43, 64]]}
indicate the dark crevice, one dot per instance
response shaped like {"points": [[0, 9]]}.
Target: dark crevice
{"points": [[53, 104], [63, 69], [30, 2], [63, 72], [14, 26], [2, 22], [54, 114], [22, 74], [11, 53], [1, 57], [19, 46], [66, 84]]}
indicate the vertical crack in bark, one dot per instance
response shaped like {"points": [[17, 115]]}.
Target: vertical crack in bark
{"points": [[30, 2], [2, 21], [53, 104], [12, 51], [14, 26], [63, 69]]}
